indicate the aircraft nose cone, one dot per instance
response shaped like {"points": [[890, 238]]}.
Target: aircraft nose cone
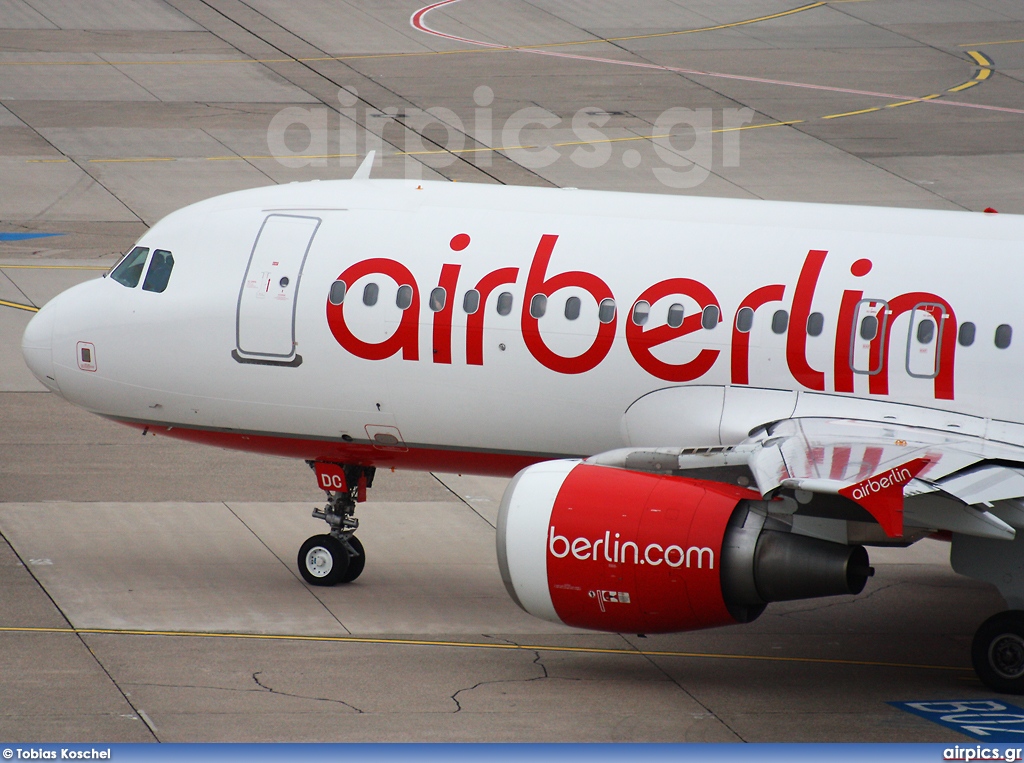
{"points": [[36, 347]]}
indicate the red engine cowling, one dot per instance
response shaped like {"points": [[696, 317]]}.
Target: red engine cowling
{"points": [[615, 550]]}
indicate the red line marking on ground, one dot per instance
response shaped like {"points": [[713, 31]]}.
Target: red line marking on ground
{"points": [[417, 21]]}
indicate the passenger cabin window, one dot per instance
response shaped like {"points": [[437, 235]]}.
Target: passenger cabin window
{"points": [[471, 302], [1004, 334], [745, 320], [538, 306], [709, 317], [641, 312], [403, 300], [869, 328], [337, 294], [815, 324], [966, 334], [370, 292], [572, 308], [780, 321], [606, 312], [129, 271], [675, 316], [926, 331], [438, 297], [505, 303], [159, 272]]}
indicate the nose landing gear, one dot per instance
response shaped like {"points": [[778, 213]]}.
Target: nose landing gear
{"points": [[336, 557]]}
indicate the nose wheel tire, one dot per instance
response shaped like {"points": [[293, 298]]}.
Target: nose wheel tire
{"points": [[997, 652], [323, 560]]}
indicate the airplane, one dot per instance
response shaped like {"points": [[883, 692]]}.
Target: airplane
{"points": [[706, 405]]}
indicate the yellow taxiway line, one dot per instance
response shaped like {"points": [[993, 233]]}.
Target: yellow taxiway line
{"points": [[853, 113], [478, 645], [53, 267], [33, 308], [983, 73], [993, 42], [978, 58], [255, 157], [29, 308], [914, 100]]}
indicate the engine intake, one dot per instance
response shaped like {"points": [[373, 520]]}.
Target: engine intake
{"points": [[611, 549]]}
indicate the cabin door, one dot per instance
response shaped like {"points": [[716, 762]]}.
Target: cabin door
{"points": [[265, 322], [870, 331], [924, 340]]}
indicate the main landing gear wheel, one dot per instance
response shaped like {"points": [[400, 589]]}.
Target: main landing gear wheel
{"points": [[323, 560], [997, 652]]}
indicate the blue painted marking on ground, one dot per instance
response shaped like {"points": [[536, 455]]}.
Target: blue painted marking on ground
{"points": [[25, 236], [989, 720]]}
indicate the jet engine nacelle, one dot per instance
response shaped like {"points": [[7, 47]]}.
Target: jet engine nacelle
{"points": [[616, 550]]}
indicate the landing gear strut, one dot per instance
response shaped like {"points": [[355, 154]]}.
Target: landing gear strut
{"points": [[997, 651], [336, 557]]}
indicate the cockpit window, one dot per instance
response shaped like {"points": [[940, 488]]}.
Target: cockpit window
{"points": [[129, 271], [159, 271]]}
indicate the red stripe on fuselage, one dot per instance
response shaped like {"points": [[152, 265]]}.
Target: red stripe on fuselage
{"points": [[491, 464]]}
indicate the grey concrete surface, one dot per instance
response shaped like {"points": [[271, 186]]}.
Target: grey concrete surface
{"points": [[15, 377], [120, 565], [113, 113]]}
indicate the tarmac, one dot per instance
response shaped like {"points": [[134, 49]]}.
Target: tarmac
{"points": [[148, 588]]}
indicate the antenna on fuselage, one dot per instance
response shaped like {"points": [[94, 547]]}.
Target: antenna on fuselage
{"points": [[363, 173]]}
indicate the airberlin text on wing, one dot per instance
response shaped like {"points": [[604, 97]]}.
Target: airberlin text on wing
{"points": [[898, 476], [642, 340]]}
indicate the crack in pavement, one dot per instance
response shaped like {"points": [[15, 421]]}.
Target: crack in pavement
{"points": [[271, 690], [830, 603], [536, 661], [261, 688], [207, 687]]}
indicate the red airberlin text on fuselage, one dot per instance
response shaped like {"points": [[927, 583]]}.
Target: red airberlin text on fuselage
{"points": [[640, 339]]}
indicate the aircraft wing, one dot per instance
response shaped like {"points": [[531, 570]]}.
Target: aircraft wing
{"points": [[904, 477]]}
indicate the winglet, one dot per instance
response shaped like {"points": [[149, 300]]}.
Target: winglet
{"points": [[882, 494], [363, 173]]}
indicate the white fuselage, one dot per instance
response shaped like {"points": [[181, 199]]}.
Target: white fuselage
{"points": [[228, 355]]}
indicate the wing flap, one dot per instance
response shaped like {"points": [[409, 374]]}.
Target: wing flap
{"points": [[901, 475], [937, 512], [768, 466], [986, 484], [1011, 512]]}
